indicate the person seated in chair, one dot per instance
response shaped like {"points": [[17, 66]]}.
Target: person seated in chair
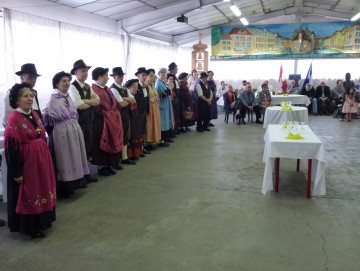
{"points": [[309, 91], [338, 92], [247, 102], [264, 99], [322, 93], [292, 88], [229, 100]]}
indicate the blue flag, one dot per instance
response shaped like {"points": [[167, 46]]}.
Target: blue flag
{"points": [[308, 78]]}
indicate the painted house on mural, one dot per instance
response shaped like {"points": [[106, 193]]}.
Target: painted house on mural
{"points": [[303, 41]]}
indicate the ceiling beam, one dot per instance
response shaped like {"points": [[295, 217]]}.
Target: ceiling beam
{"points": [[148, 33], [191, 36]]}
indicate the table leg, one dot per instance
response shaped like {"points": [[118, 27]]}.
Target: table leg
{"points": [[298, 165], [308, 190], [277, 173]]}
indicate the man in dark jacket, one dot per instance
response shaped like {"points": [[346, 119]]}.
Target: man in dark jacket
{"points": [[323, 98]]}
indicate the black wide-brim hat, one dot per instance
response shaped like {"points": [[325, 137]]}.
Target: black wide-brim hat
{"points": [[130, 82], [172, 66], [78, 65], [141, 70], [117, 71], [28, 68]]}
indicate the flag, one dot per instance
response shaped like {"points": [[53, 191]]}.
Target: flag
{"points": [[308, 78], [281, 82]]}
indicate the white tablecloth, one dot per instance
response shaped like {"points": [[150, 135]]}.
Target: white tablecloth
{"points": [[311, 147], [274, 115], [293, 98]]}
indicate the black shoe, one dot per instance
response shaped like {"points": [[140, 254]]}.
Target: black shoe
{"points": [[111, 171], [327, 114], [39, 234], [207, 129], [118, 167], [146, 152], [187, 129], [142, 155], [2, 223], [149, 147], [211, 125], [91, 179], [128, 162], [259, 122], [177, 133], [169, 140], [103, 171], [181, 130], [199, 130], [134, 158], [243, 122], [163, 144]]}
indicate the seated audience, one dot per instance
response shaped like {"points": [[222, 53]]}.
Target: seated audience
{"points": [[264, 99], [247, 102], [309, 91], [292, 88], [322, 93], [230, 100], [338, 92]]}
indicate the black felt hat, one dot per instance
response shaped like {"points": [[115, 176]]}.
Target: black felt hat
{"points": [[117, 71], [172, 66], [98, 71], [130, 82], [141, 70], [79, 64], [28, 68], [183, 75]]}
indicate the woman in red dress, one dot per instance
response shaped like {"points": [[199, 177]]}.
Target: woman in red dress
{"points": [[31, 177]]}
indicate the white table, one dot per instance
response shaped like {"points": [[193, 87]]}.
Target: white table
{"points": [[310, 150], [293, 98], [275, 115]]}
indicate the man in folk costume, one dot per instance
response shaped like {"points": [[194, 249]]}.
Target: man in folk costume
{"points": [[175, 99], [85, 101], [29, 75], [107, 127], [142, 100], [204, 102], [124, 98], [213, 107]]}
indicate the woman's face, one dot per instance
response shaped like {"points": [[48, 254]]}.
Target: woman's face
{"points": [[162, 74], [150, 77], [133, 88], [229, 88], [351, 91], [103, 79], [340, 83], [170, 80], [64, 84], [194, 74], [25, 100]]}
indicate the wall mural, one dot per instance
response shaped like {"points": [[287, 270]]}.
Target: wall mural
{"points": [[278, 41]]}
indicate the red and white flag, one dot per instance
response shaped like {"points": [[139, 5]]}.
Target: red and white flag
{"points": [[281, 82]]}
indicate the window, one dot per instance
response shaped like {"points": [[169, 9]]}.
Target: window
{"points": [[228, 42], [223, 48], [237, 44], [228, 48], [224, 42], [237, 37]]}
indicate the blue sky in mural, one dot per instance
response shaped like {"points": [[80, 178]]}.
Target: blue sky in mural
{"points": [[286, 30]]}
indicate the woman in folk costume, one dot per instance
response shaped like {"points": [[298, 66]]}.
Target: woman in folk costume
{"points": [[213, 107], [136, 141], [153, 128], [124, 98], [31, 179], [187, 103], [108, 131], [66, 137], [165, 106]]}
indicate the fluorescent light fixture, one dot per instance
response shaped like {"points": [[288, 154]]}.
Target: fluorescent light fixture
{"points": [[244, 21], [235, 10], [357, 16], [226, 1]]}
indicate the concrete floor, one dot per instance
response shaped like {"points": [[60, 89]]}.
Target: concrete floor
{"points": [[197, 205]]}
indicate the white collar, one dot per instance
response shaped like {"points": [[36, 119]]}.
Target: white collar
{"points": [[118, 85], [100, 86], [22, 111], [63, 94]]}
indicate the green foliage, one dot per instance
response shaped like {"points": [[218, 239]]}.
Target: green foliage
{"points": [[215, 35]]}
